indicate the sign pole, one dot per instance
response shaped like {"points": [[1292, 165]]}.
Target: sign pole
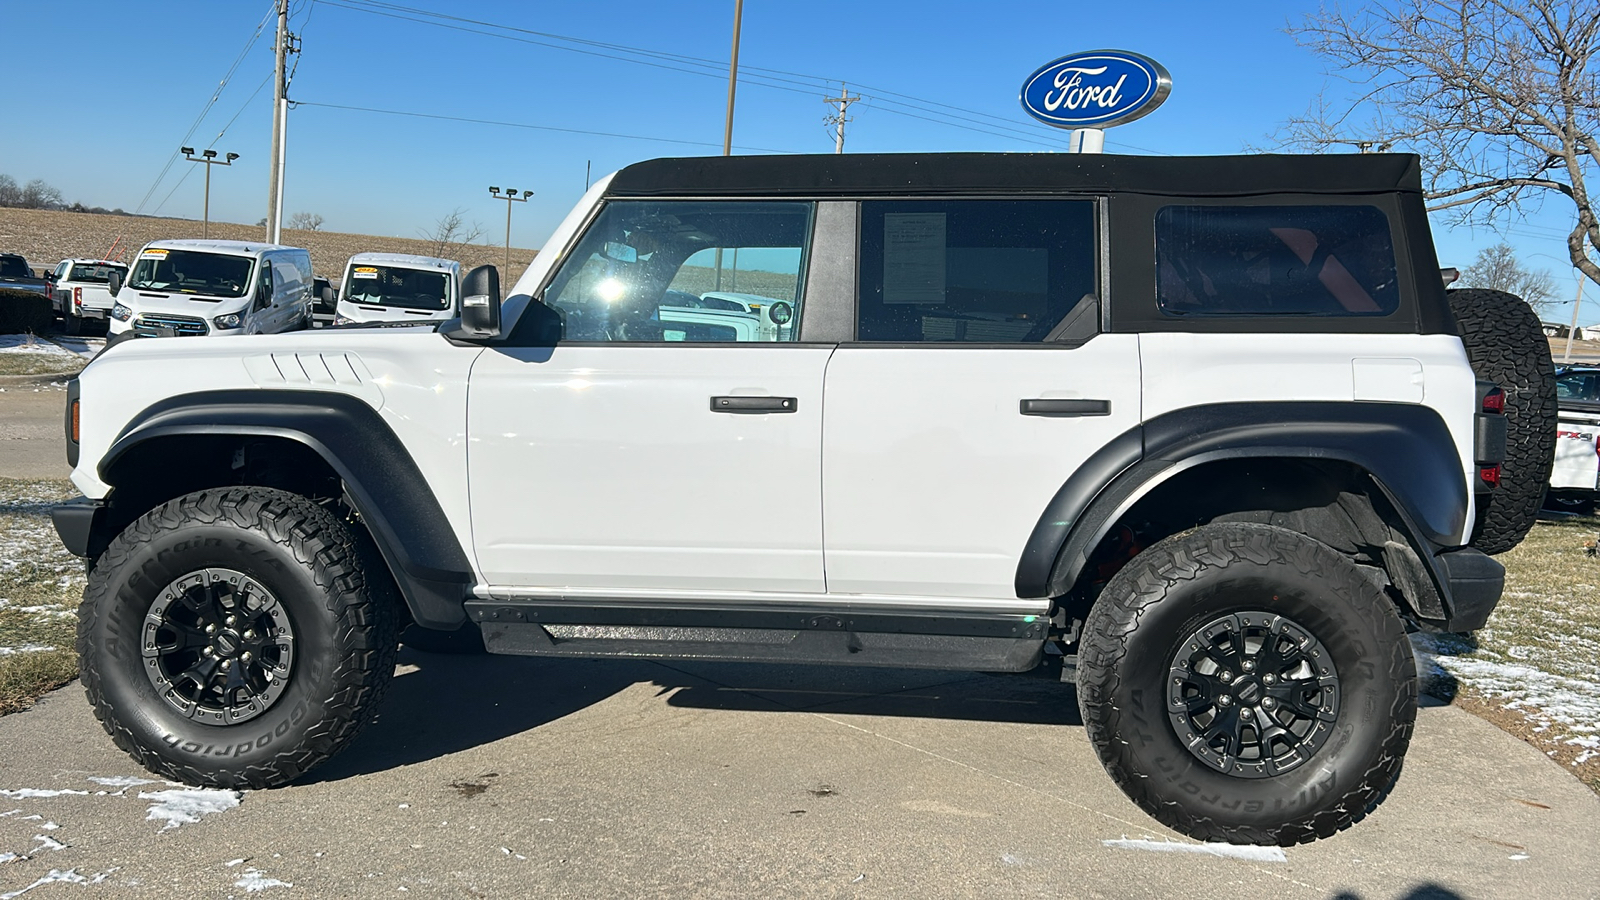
{"points": [[1087, 140]]}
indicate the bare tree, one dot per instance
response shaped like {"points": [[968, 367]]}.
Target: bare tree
{"points": [[1498, 268], [1500, 98], [10, 194], [306, 221], [38, 194], [451, 230]]}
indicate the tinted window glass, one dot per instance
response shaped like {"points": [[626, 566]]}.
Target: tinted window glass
{"points": [[191, 272], [974, 271], [1275, 261], [680, 271], [1578, 386], [95, 274], [398, 287]]}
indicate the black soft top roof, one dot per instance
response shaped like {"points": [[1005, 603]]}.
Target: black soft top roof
{"points": [[1001, 173]]}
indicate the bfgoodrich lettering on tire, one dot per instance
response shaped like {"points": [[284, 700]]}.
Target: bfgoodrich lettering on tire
{"points": [[236, 637], [1246, 683]]}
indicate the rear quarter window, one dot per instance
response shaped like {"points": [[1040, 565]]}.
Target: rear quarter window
{"points": [[1324, 261]]}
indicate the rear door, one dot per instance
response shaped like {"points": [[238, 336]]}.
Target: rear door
{"points": [[971, 393]]}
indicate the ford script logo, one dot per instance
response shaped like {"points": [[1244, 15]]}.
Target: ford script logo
{"points": [[1096, 89]]}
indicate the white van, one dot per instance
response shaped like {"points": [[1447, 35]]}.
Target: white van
{"points": [[398, 287], [213, 287]]}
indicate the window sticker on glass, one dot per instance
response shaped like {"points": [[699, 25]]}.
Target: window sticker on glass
{"points": [[914, 258], [364, 272]]}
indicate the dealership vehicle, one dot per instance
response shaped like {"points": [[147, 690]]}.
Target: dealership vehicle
{"points": [[398, 287], [1206, 435], [1575, 477], [81, 290], [17, 275], [185, 288]]}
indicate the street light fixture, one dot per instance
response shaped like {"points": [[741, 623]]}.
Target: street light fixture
{"points": [[209, 157], [510, 197]]}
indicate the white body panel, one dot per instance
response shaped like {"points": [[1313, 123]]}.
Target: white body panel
{"points": [[349, 310], [416, 380], [1182, 370], [605, 467], [932, 477]]}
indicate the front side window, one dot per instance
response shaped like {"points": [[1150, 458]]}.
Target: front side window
{"points": [[1275, 261], [398, 287], [682, 271], [973, 271], [191, 272]]}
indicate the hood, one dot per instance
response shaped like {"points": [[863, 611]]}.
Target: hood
{"points": [[196, 305]]}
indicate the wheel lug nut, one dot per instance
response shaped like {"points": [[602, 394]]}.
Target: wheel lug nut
{"points": [[1269, 678], [1245, 712], [211, 629], [1226, 677], [246, 656], [231, 620], [209, 652], [1266, 702], [1224, 700], [1249, 664], [250, 634], [227, 664]]}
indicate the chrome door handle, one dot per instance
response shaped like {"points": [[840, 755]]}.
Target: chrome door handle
{"points": [[1064, 408], [754, 404]]}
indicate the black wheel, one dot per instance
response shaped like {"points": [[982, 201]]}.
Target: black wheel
{"points": [[236, 637], [1507, 345], [1246, 683]]}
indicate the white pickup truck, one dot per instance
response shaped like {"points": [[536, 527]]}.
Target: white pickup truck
{"points": [[82, 290]]}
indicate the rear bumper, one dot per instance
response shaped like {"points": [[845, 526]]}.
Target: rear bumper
{"points": [[1474, 581], [75, 521]]}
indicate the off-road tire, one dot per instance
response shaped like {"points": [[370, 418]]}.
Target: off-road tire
{"points": [[1132, 638], [345, 619], [1506, 345]]}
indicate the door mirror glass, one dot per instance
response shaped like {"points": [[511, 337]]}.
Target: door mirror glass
{"points": [[114, 282], [480, 303]]}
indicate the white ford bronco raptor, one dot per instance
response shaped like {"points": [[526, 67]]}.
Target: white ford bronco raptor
{"points": [[1208, 435]]}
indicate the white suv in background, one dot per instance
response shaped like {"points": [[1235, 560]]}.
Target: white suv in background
{"points": [[1205, 435], [185, 288]]}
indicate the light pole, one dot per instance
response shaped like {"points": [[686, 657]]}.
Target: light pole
{"points": [[209, 157], [509, 198], [1572, 329]]}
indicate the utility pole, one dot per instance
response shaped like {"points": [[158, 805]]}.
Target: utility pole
{"points": [[1566, 356], [209, 157], [280, 123], [733, 79], [843, 102], [509, 198]]}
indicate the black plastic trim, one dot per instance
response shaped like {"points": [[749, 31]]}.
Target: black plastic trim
{"points": [[75, 523], [381, 479], [1475, 581], [1407, 449], [1065, 408], [755, 405]]}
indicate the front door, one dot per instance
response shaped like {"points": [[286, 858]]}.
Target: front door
{"points": [[971, 393], [669, 442]]}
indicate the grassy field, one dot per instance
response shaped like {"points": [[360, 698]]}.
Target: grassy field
{"points": [[1534, 671], [40, 583], [46, 237], [39, 363]]}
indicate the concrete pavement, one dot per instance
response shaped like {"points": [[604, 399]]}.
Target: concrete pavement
{"points": [[512, 777]]}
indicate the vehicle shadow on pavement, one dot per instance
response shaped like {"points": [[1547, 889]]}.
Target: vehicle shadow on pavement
{"points": [[446, 703], [1421, 892]]}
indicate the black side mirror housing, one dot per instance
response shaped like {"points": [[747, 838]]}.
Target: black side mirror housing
{"points": [[114, 284], [480, 307]]}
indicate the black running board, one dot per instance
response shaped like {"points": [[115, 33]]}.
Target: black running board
{"points": [[817, 635]]}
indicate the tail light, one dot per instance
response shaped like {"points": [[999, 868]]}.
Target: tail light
{"points": [[75, 419], [1490, 475], [1494, 402], [77, 299]]}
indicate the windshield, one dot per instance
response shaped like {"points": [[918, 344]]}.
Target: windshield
{"points": [[191, 272], [89, 273], [392, 286]]}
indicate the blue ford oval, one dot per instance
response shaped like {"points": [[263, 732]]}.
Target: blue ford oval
{"points": [[1095, 89]]}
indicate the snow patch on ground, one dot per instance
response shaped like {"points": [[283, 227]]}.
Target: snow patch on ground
{"points": [[27, 343], [25, 648], [121, 781], [59, 876], [8, 857], [1226, 851], [187, 805], [252, 880], [1564, 706], [39, 794], [46, 843]]}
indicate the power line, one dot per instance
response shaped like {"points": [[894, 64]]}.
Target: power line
{"points": [[215, 95], [612, 134]]}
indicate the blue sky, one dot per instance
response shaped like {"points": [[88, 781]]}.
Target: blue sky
{"points": [[114, 106]]}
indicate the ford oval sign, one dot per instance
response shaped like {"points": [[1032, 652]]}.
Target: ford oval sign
{"points": [[1096, 89]]}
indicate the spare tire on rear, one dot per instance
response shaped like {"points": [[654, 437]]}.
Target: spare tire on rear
{"points": [[1506, 345]]}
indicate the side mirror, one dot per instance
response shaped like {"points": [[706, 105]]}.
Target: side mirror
{"points": [[114, 284], [326, 296], [480, 303], [263, 297]]}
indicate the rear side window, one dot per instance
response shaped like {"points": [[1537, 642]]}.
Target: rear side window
{"points": [[973, 271], [1275, 261]]}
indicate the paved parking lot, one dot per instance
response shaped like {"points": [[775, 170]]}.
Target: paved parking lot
{"points": [[505, 777]]}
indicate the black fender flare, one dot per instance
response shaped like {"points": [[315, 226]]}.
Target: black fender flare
{"points": [[381, 480], [1407, 450]]}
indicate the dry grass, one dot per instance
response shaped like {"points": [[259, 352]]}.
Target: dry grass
{"points": [[40, 584], [24, 363], [46, 237]]}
